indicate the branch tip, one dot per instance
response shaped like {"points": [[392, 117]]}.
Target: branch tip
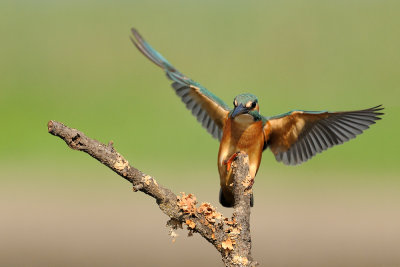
{"points": [[50, 126]]}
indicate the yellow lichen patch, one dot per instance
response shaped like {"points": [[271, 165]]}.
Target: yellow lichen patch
{"points": [[235, 231], [234, 165], [233, 222], [121, 164], [247, 182], [209, 212], [246, 160], [191, 224], [147, 179], [187, 203], [240, 260], [227, 244]]}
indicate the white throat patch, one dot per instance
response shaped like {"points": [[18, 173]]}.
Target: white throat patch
{"points": [[244, 119]]}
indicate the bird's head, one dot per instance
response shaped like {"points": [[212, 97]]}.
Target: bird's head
{"points": [[244, 104]]}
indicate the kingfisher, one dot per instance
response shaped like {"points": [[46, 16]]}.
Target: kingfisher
{"points": [[293, 137]]}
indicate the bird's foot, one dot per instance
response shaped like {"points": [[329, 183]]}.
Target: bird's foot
{"points": [[229, 161]]}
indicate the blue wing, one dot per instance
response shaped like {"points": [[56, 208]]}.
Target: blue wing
{"points": [[209, 110]]}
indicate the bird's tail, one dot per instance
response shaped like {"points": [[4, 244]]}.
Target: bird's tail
{"points": [[227, 200]]}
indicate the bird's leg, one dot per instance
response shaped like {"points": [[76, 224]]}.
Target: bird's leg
{"points": [[229, 161]]}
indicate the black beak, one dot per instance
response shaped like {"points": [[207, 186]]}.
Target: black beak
{"points": [[238, 110]]}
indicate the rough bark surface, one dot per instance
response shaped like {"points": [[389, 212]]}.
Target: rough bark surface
{"points": [[230, 236]]}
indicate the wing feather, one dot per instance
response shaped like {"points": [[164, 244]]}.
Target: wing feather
{"points": [[297, 136], [209, 110]]}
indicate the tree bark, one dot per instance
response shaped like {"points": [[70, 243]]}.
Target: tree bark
{"points": [[230, 236]]}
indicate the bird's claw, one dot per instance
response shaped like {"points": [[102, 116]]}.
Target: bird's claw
{"points": [[229, 161]]}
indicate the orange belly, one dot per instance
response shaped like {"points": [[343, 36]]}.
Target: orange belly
{"points": [[240, 134]]}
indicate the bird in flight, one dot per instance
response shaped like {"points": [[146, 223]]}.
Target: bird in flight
{"points": [[294, 137]]}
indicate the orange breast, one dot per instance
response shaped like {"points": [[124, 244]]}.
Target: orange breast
{"points": [[241, 134]]}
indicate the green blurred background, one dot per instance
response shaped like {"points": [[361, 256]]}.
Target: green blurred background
{"points": [[72, 61]]}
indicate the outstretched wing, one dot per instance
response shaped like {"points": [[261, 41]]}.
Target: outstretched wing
{"points": [[296, 136], [209, 110]]}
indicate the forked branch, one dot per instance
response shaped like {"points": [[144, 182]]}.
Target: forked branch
{"points": [[230, 236]]}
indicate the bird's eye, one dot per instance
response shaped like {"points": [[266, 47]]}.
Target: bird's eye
{"points": [[253, 105]]}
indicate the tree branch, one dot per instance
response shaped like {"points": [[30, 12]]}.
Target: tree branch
{"points": [[230, 236]]}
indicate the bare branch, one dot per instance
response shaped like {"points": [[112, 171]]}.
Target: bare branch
{"points": [[231, 237]]}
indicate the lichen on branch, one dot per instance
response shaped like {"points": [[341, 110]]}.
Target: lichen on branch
{"points": [[230, 236]]}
